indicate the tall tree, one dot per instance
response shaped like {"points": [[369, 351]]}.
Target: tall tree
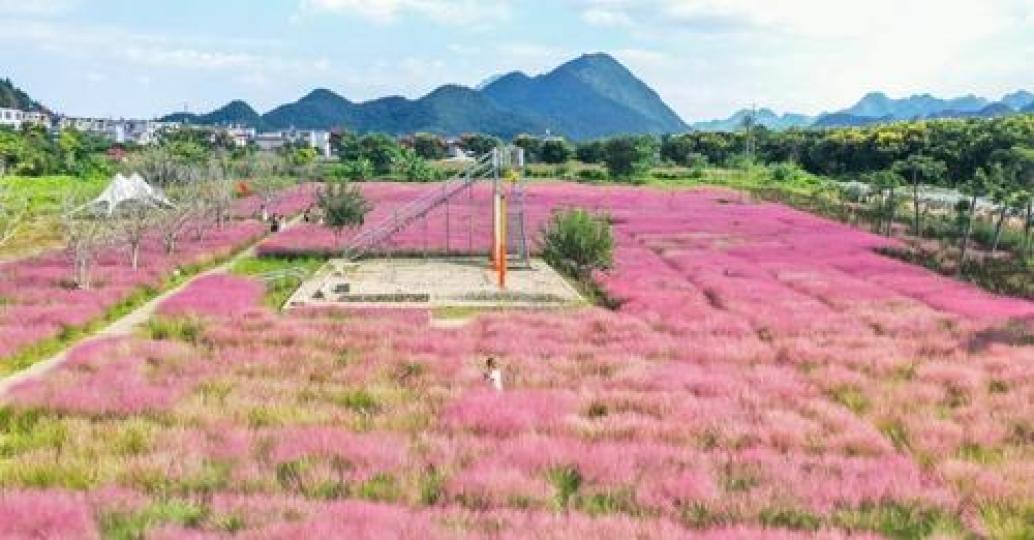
{"points": [[886, 184], [919, 169], [977, 186], [556, 151], [343, 206]]}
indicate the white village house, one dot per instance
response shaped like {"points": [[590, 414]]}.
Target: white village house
{"points": [[275, 140], [15, 118]]}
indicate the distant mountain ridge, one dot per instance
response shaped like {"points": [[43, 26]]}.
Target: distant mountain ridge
{"points": [[588, 97], [764, 117], [877, 108]]}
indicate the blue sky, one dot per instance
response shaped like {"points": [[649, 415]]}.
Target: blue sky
{"points": [[706, 58]]}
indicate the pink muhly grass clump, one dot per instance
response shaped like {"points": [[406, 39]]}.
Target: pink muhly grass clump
{"points": [[503, 414], [113, 376], [489, 485], [355, 519], [367, 453], [45, 514], [220, 295]]}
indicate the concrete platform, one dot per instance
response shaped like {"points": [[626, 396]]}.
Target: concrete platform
{"points": [[433, 283]]}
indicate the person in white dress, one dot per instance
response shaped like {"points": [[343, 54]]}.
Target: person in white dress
{"points": [[493, 375]]}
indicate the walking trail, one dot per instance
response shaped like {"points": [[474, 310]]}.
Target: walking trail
{"points": [[126, 325]]}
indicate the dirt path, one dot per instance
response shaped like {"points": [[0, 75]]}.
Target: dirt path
{"points": [[127, 324]]}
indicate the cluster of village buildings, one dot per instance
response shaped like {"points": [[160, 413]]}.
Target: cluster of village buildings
{"points": [[147, 132]]}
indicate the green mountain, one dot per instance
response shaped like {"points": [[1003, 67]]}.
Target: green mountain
{"points": [[592, 96], [235, 112], [447, 110], [589, 97], [12, 97], [320, 109]]}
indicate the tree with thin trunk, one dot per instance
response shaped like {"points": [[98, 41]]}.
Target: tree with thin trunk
{"points": [[885, 183], [1018, 163], [976, 187], [170, 221], [86, 233], [132, 221], [218, 192], [919, 169]]}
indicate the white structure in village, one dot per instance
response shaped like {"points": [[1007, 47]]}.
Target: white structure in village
{"points": [[147, 132], [124, 189], [142, 132], [15, 118], [275, 140]]}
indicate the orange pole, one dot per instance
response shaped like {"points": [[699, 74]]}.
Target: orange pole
{"points": [[495, 231], [502, 241]]}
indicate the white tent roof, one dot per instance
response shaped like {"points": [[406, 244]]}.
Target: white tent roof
{"points": [[123, 189]]}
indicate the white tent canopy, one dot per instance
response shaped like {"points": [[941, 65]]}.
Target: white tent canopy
{"points": [[122, 190]]}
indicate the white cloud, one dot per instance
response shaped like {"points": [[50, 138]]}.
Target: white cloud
{"points": [[600, 16], [458, 12], [815, 55], [868, 18], [10, 8], [190, 58]]}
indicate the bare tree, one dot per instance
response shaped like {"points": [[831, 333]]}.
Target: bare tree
{"points": [[86, 233], [133, 220], [160, 167], [13, 209], [170, 222], [217, 191]]}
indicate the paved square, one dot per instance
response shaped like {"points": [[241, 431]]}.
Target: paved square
{"points": [[434, 282]]}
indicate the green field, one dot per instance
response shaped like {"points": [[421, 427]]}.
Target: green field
{"points": [[44, 196]]}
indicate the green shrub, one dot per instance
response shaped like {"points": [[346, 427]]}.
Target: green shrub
{"points": [[592, 175], [566, 483], [578, 243], [188, 329]]}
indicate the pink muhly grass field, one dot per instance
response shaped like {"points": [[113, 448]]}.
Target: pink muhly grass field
{"points": [[38, 300], [217, 294], [766, 375]]}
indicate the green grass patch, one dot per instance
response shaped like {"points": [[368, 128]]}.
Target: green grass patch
{"points": [[186, 329], [619, 501], [134, 525], [358, 400], [382, 487], [27, 430], [899, 521], [850, 397], [1004, 521], [895, 431], [280, 289], [566, 482], [790, 518], [432, 487], [44, 196]]}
